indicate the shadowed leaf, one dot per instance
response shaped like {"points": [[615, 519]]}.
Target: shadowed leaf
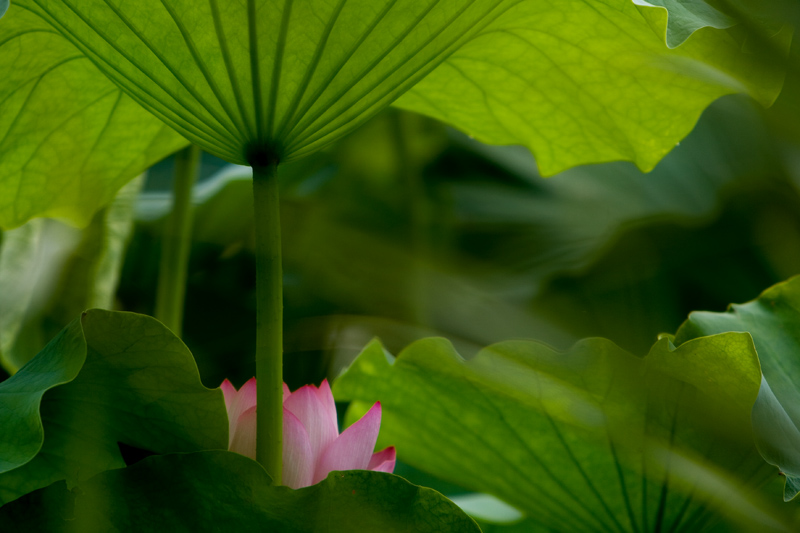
{"points": [[108, 377], [226, 491]]}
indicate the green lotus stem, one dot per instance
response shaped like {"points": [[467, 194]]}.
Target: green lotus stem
{"points": [[176, 243], [269, 321]]}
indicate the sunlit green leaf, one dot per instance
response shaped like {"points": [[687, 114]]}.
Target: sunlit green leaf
{"points": [[587, 81], [593, 439], [250, 81], [774, 322], [107, 378], [228, 492], [69, 138], [50, 273]]}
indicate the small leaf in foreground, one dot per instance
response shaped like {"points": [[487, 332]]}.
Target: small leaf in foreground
{"points": [[226, 491]]}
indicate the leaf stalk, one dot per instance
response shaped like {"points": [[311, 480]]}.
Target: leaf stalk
{"points": [[269, 320]]}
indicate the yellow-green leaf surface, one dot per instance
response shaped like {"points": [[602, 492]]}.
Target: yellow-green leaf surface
{"points": [[260, 78], [577, 81], [593, 439], [584, 81], [69, 138]]}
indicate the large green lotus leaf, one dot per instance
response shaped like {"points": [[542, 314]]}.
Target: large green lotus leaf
{"points": [[69, 138], [3, 7], [51, 272], [249, 80], [773, 319], [578, 81], [223, 491], [594, 439], [586, 81], [108, 378]]}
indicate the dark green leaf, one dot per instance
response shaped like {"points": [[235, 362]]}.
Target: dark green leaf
{"points": [[69, 138], [566, 222], [593, 439], [109, 377], [774, 323], [222, 491]]}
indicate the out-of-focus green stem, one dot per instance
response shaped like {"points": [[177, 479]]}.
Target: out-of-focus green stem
{"points": [[176, 243], [269, 321], [410, 178]]}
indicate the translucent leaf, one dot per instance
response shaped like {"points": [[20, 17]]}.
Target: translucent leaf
{"points": [[252, 81], [69, 138], [586, 82]]}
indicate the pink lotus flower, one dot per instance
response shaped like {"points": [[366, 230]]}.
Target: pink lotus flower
{"points": [[312, 445]]}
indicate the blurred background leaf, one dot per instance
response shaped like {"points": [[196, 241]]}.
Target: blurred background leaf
{"points": [[50, 273], [408, 229]]}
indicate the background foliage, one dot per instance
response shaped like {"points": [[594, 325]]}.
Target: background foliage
{"points": [[403, 244]]}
